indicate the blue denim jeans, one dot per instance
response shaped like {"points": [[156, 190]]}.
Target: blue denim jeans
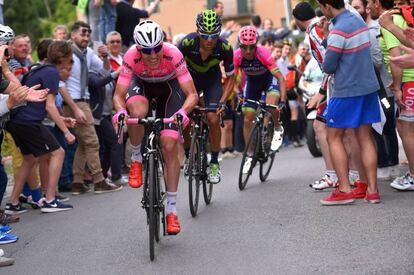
{"points": [[107, 20], [66, 176]]}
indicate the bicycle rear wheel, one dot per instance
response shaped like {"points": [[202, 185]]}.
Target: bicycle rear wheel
{"points": [[152, 175], [194, 172], [250, 151], [268, 155]]}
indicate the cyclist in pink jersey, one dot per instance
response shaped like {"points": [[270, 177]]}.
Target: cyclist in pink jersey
{"points": [[261, 72], [155, 70]]}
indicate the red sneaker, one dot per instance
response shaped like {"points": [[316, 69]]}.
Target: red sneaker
{"points": [[360, 189], [338, 198], [135, 174], [373, 198], [173, 225]]}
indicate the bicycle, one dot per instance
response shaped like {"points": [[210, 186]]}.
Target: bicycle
{"points": [[197, 162], [258, 146], [154, 194]]}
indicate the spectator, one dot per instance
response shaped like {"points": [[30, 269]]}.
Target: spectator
{"points": [[77, 106], [283, 61], [60, 32], [94, 12], [64, 179], [387, 143], [30, 50], [267, 42], [128, 17], [355, 88], [277, 50], [399, 3], [102, 87], [256, 21], [27, 120], [107, 18], [403, 80], [218, 7], [20, 63], [114, 42]]}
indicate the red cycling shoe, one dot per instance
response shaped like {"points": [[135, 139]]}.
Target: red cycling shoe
{"points": [[173, 225], [135, 174]]}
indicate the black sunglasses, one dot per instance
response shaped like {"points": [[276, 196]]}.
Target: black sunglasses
{"points": [[148, 51], [85, 31]]}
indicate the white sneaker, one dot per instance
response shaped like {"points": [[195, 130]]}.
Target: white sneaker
{"points": [[404, 183], [214, 173], [384, 173], [277, 138], [247, 164], [323, 183]]}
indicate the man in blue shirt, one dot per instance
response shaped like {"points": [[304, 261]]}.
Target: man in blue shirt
{"points": [[354, 101]]}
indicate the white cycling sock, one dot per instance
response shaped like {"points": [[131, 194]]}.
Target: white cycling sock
{"points": [[171, 200], [136, 153], [332, 175]]}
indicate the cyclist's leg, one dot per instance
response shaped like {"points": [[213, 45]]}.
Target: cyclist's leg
{"points": [[212, 96], [137, 105], [273, 97], [249, 110]]}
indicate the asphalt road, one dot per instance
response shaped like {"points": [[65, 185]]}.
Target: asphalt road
{"points": [[278, 227]]}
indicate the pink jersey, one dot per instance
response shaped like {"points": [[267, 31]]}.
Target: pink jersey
{"points": [[172, 66], [262, 63]]}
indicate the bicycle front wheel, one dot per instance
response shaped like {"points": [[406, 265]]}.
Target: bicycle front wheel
{"points": [[249, 155], [194, 172], [268, 156], [152, 175], [207, 185]]}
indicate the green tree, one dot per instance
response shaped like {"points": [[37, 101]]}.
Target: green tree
{"points": [[37, 18], [314, 3]]}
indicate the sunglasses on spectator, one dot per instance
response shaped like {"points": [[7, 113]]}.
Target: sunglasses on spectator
{"points": [[115, 42], [85, 31], [206, 36], [148, 51], [248, 47]]}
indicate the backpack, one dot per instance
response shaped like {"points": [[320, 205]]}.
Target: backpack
{"points": [[407, 12]]}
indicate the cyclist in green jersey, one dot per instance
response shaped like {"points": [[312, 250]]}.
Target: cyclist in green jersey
{"points": [[203, 51]]}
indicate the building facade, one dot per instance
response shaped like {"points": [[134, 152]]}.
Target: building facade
{"points": [[178, 16]]}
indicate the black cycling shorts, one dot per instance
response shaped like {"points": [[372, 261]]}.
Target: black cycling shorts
{"points": [[168, 96]]}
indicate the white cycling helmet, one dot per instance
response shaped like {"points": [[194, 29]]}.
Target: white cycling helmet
{"points": [[148, 34], [6, 34]]}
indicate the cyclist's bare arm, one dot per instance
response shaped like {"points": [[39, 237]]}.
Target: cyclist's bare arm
{"points": [[119, 97], [228, 87], [282, 85], [191, 95]]}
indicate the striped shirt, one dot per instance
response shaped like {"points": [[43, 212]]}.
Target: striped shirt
{"points": [[316, 37], [348, 57]]}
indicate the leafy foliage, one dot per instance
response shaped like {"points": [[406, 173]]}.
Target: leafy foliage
{"points": [[37, 18]]}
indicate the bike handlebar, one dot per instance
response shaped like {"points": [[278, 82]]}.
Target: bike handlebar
{"points": [[144, 121], [210, 110]]}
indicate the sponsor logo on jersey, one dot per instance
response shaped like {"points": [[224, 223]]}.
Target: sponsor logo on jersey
{"points": [[180, 63], [188, 42]]}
